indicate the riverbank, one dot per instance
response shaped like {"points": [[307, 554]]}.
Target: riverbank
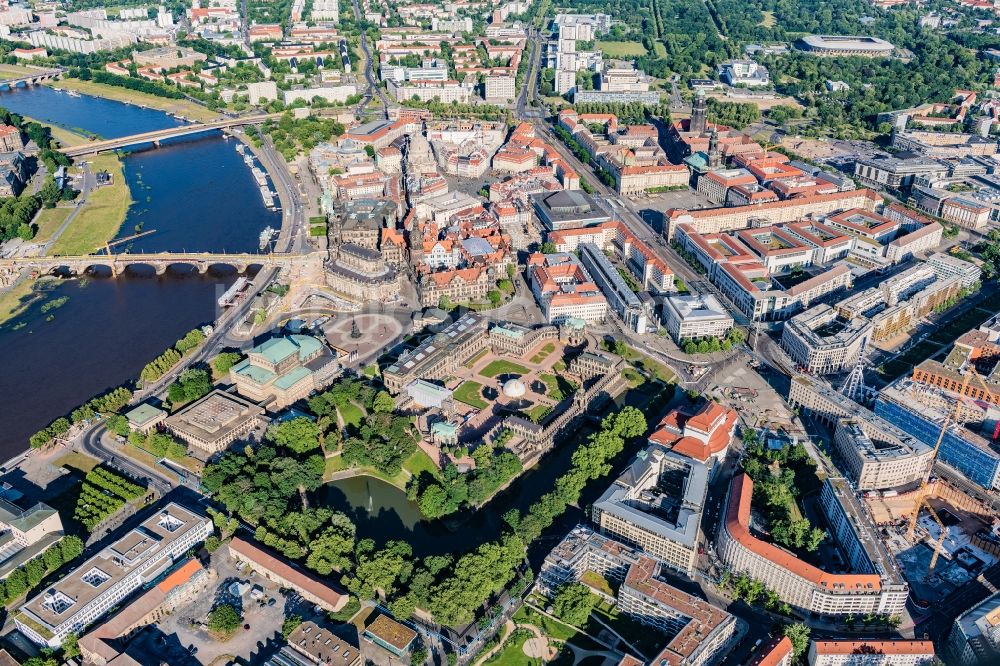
{"points": [[183, 107], [103, 213], [66, 138]]}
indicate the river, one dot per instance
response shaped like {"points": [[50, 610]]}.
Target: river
{"points": [[197, 195]]}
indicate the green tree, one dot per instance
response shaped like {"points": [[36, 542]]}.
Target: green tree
{"points": [[224, 361], [289, 625], [223, 620], [798, 633], [49, 193], [299, 434], [70, 647], [383, 403], [548, 247], [212, 543], [573, 603]]}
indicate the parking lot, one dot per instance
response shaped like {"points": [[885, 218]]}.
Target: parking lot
{"points": [[180, 639]]}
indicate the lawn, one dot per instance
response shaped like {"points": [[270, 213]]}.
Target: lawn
{"points": [[420, 462], [659, 49], [557, 388], [48, 220], [543, 353], [475, 359], [16, 298], [769, 20], [622, 49], [513, 652], [632, 376], [597, 581], [184, 107], [336, 464], [66, 138], [470, 393], [503, 367], [76, 460], [351, 414], [537, 413], [101, 216], [333, 465], [548, 626]]}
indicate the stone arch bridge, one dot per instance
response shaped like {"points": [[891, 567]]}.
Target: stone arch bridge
{"points": [[298, 264], [32, 79]]}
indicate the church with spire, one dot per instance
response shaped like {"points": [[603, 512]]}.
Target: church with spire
{"points": [[705, 146]]}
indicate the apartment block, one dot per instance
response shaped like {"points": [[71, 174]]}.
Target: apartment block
{"points": [[798, 583], [871, 653], [701, 634]]}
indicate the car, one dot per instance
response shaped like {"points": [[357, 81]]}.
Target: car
{"points": [[271, 602]]}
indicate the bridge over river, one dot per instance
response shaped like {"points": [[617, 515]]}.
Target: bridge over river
{"points": [[156, 136], [299, 264]]}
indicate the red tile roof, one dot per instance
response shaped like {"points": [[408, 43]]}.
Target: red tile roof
{"points": [[772, 653], [300, 579], [874, 647], [738, 527]]}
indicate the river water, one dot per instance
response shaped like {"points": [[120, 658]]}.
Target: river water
{"points": [[197, 195]]}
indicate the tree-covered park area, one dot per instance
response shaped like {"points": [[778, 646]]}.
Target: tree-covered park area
{"points": [[271, 487], [782, 478]]}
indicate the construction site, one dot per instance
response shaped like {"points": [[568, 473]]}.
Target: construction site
{"points": [[941, 535]]}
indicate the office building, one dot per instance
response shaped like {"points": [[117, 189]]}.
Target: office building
{"points": [[821, 342], [946, 266], [656, 505], [968, 453], [620, 298], [108, 643], [744, 73], [877, 455], [853, 530], [974, 639], [564, 289], [91, 590], [694, 316]]}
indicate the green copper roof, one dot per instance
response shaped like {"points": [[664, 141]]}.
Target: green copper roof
{"points": [[277, 350], [254, 373], [292, 377], [144, 413]]}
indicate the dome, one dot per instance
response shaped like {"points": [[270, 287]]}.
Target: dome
{"points": [[514, 388]]}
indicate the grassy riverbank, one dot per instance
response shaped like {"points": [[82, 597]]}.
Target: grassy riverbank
{"points": [[66, 138], [101, 216], [48, 221], [14, 299], [184, 107]]}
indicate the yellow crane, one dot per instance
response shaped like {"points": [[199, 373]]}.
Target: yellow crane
{"points": [[921, 499]]}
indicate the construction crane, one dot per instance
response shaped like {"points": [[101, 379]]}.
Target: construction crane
{"points": [[921, 499]]}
